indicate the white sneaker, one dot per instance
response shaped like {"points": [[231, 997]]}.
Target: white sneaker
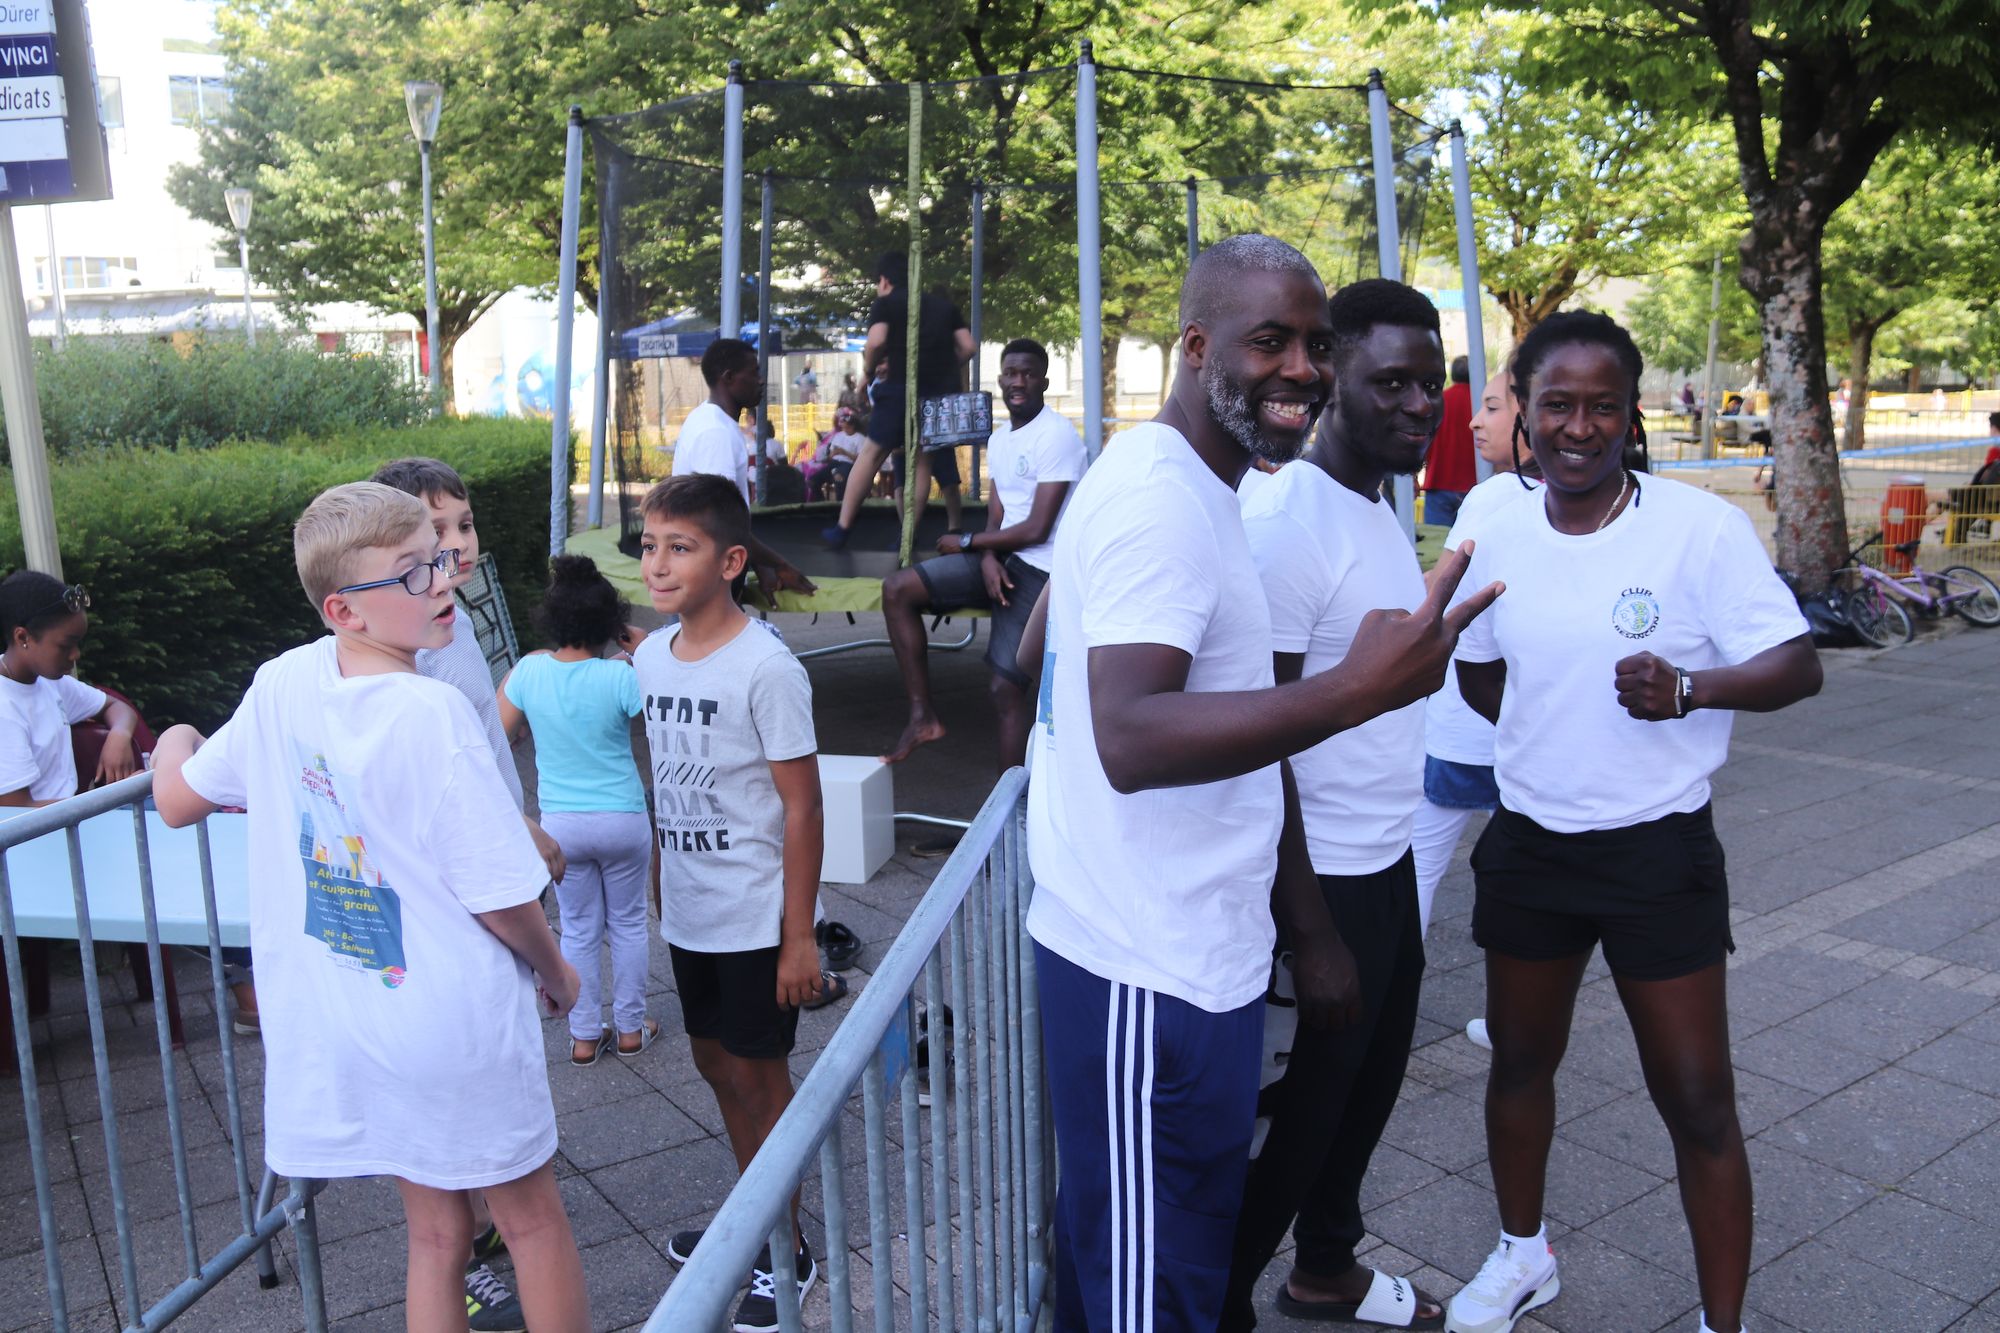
{"points": [[1475, 1032], [1516, 1278]]}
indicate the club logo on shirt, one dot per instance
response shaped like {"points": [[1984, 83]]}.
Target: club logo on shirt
{"points": [[1636, 613], [1020, 465]]}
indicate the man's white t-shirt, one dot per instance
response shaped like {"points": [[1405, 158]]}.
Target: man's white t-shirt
{"points": [[1452, 731], [1046, 449], [1679, 574], [710, 442], [1328, 557], [35, 720], [844, 446], [1168, 889], [400, 1035]]}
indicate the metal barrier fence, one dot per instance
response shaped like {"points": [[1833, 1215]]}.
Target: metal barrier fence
{"points": [[1926, 486], [261, 1218], [988, 1144]]}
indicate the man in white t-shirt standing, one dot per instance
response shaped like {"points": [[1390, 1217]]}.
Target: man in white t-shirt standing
{"points": [[1161, 810], [1329, 550], [1035, 458], [711, 442]]}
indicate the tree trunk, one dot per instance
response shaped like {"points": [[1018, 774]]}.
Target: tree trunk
{"points": [[1860, 352], [1782, 268], [1108, 341]]}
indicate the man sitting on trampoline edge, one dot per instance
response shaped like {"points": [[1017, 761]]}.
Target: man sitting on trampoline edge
{"points": [[1035, 458]]}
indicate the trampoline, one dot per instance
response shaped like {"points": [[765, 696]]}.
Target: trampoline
{"points": [[849, 581]]}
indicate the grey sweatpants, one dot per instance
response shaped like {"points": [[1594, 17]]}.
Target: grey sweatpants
{"points": [[603, 893]]}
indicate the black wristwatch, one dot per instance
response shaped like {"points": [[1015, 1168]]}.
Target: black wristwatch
{"points": [[1683, 692], [965, 543]]}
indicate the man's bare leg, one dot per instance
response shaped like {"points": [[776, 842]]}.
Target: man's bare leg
{"points": [[1013, 707], [866, 465], [904, 599]]}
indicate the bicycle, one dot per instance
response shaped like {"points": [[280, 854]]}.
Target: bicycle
{"points": [[1877, 607]]}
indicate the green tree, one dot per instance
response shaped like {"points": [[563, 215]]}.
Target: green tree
{"points": [[1669, 320], [1812, 94], [1572, 187], [1921, 234], [318, 129]]}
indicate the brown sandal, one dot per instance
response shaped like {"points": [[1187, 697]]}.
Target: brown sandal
{"points": [[648, 1030], [596, 1049]]}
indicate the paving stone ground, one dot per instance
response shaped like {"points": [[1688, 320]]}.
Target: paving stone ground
{"points": [[1863, 832]]}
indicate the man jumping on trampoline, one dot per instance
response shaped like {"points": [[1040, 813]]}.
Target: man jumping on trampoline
{"points": [[944, 346], [1035, 458]]}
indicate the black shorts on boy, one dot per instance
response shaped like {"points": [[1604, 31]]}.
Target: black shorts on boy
{"points": [[956, 582], [1654, 894], [732, 998]]}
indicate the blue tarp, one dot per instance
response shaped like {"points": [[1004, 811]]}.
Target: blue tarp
{"points": [[683, 335]]}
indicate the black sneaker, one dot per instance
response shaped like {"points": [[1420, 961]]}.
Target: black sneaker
{"points": [[489, 1306], [681, 1248], [487, 1244], [759, 1311]]}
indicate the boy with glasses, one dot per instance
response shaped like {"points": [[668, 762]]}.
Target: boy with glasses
{"points": [[461, 664], [401, 945]]}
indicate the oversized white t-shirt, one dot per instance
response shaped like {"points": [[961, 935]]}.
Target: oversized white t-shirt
{"points": [[1452, 731], [34, 734], [709, 442], [1328, 557], [1680, 574], [1167, 889], [1046, 449], [400, 1035]]}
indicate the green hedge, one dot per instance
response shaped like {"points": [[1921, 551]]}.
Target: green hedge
{"points": [[114, 392], [188, 554]]}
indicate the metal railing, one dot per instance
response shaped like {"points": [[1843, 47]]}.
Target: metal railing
{"points": [[988, 1145], [261, 1218]]}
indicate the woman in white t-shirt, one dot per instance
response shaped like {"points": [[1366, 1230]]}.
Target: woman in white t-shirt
{"points": [[43, 624], [1458, 743], [1638, 613]]}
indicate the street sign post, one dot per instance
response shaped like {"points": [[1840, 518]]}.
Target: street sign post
{"points": [[52, 149]]}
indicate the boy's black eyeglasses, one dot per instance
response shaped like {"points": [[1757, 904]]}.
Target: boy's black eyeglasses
{"points": [[416, 580], [73, 598]]}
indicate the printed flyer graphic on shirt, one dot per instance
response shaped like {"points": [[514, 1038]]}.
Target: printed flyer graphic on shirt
{"points": [[350, 907], [689, 815]]}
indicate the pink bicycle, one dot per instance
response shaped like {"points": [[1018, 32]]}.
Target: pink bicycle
{"points": [[1878, 604]]}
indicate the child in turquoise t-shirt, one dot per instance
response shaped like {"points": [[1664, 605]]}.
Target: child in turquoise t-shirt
{"points": [[579, 705]]}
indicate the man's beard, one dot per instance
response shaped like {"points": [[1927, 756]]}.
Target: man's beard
{"points": [[1229, 407]]}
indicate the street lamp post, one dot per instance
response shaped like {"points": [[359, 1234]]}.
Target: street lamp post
{"points": [[425, 101], [238, 200]]}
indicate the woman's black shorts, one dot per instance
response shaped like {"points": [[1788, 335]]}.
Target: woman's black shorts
{"points": [[1654, 894]]}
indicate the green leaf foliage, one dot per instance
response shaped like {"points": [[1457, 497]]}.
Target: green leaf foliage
{"points": [[105, 392], [188, 553]]}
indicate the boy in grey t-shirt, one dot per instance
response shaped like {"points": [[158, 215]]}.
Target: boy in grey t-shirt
{"points": [[738, 832]]}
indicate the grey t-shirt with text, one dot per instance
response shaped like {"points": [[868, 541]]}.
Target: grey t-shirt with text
{"points": [[714, 727]]}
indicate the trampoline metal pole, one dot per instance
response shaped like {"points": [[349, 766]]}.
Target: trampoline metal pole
{"points": [[559, 441], [600, 390], [914, 503], [1089, 281], [1388, 249], [1193, 220], [1468, 274], [732, 203], [760, 425], [978, 307]]}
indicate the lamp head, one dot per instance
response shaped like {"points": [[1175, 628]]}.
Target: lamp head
{"points": [[425, 101], [238, 200]]}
